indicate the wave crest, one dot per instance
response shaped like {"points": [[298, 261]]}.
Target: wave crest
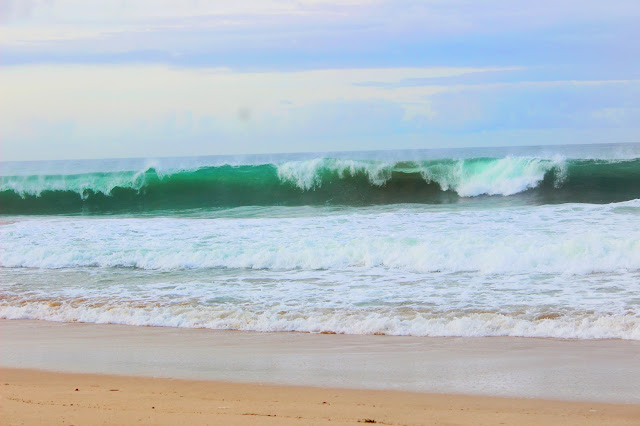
{"points": [[323, 181], [310, 174]]}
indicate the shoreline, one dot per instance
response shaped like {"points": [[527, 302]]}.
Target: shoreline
{"points": [[551, 369], [39, 397]]}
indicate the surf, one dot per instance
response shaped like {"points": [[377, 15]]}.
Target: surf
{"points": [[324, 181]]}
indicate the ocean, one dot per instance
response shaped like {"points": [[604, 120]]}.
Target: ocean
{"points": [[528, 241]]}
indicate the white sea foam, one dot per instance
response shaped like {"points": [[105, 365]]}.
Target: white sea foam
{"points": [[568, 271], [504, 176], [467, 177], [308, 174], [104, 183], [566, 239], [577, 326]]}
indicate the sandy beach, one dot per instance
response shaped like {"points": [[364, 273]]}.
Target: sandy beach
{"points": [[164, 375], [36, 397]]}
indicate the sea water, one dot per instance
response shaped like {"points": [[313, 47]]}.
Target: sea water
{"points": [[533, 241]]}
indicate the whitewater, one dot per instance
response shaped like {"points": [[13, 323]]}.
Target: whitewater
{"points": [[532, 242]]}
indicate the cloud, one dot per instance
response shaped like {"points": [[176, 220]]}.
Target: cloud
{"points": [[116, 78], [280, 34], [98, 111], [538, 105]]}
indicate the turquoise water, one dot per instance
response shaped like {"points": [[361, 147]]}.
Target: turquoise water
{"points": [[366, 179]]}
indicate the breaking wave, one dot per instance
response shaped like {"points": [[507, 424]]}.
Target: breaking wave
{"points": [[324, 181]]}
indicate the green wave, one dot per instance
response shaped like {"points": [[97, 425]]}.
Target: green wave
{"points": [[325, 181]]}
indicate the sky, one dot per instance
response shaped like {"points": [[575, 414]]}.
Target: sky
{"points": [[150, 78]]}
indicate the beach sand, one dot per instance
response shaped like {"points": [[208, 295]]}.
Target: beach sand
{"points": [[36, 397], [164, 375]]}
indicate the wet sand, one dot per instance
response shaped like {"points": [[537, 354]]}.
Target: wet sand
{"points": [[581, 370], [206, 376], [36, 397]]}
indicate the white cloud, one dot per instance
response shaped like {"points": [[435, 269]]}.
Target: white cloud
{"points": [[85, 107], [95, 93], [64, 20], [98, 111]]}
